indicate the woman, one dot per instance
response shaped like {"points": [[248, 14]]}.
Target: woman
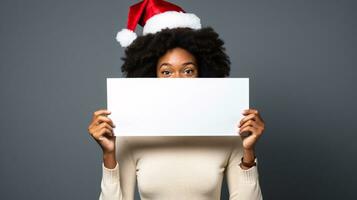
{"points": [[178, 167]]}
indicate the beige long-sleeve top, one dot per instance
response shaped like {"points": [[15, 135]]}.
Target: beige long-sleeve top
{"points": [[179, 167]]}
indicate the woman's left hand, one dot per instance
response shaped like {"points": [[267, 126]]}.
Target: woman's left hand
{"points": [[253, 123]]}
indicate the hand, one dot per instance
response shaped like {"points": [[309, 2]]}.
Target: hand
{"points": [[253, 123], [101, 129]]}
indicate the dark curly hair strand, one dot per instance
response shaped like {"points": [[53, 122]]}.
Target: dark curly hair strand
{"points": [[204, 44]]}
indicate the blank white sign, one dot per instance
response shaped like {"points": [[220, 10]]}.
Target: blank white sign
{"points": [[177, 106]]}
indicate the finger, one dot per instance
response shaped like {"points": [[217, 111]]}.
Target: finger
{"points": [[95, 127], [245, 134], [246, 118], [258, 130], [102, 118], [249, 128], [252, 117], [102, 126], [102, 132], [96, 114], [250, 111], [100, 112], [249, 123], [108, 132], [253, 111]]}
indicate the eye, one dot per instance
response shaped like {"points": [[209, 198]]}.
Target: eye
{"points": [[165, 72], [189, 71]]}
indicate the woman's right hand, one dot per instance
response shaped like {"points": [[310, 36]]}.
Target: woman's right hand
{"points": [[101, 129]]}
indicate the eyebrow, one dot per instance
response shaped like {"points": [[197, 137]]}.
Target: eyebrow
{"points": [[184, 64]]}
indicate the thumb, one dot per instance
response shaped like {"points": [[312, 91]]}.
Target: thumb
{"points": [[245, 134]]}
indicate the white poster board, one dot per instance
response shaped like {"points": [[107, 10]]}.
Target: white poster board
{"points": [[177, 106]]}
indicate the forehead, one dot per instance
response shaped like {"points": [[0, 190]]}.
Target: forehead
{"points": [[177, 56]]}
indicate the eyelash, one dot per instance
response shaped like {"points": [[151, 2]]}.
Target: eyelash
{"points": [[163, 72], [189, 70]]}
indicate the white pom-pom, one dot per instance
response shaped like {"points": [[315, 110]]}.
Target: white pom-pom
{"points": [[125, 37]]}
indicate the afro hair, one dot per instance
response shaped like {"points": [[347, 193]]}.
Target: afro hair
{"points": [[204, 44]]}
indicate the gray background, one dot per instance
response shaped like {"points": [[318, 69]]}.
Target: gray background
{"points": [[299, 55]]}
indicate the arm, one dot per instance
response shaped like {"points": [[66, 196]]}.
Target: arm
{"points": [[110, 184], [119, 182], [243, 184]]}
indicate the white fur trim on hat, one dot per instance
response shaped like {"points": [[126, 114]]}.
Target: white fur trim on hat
{"points": [[171, 19], [125, 37]]}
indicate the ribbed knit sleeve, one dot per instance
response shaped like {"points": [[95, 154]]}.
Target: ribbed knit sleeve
{"points": [[119, 183], [242, 184], [110, 184]]}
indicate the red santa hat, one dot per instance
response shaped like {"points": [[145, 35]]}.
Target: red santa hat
{"points": [[153, 16]]}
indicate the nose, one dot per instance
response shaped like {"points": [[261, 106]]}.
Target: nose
{"points": [[177, 75]]}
